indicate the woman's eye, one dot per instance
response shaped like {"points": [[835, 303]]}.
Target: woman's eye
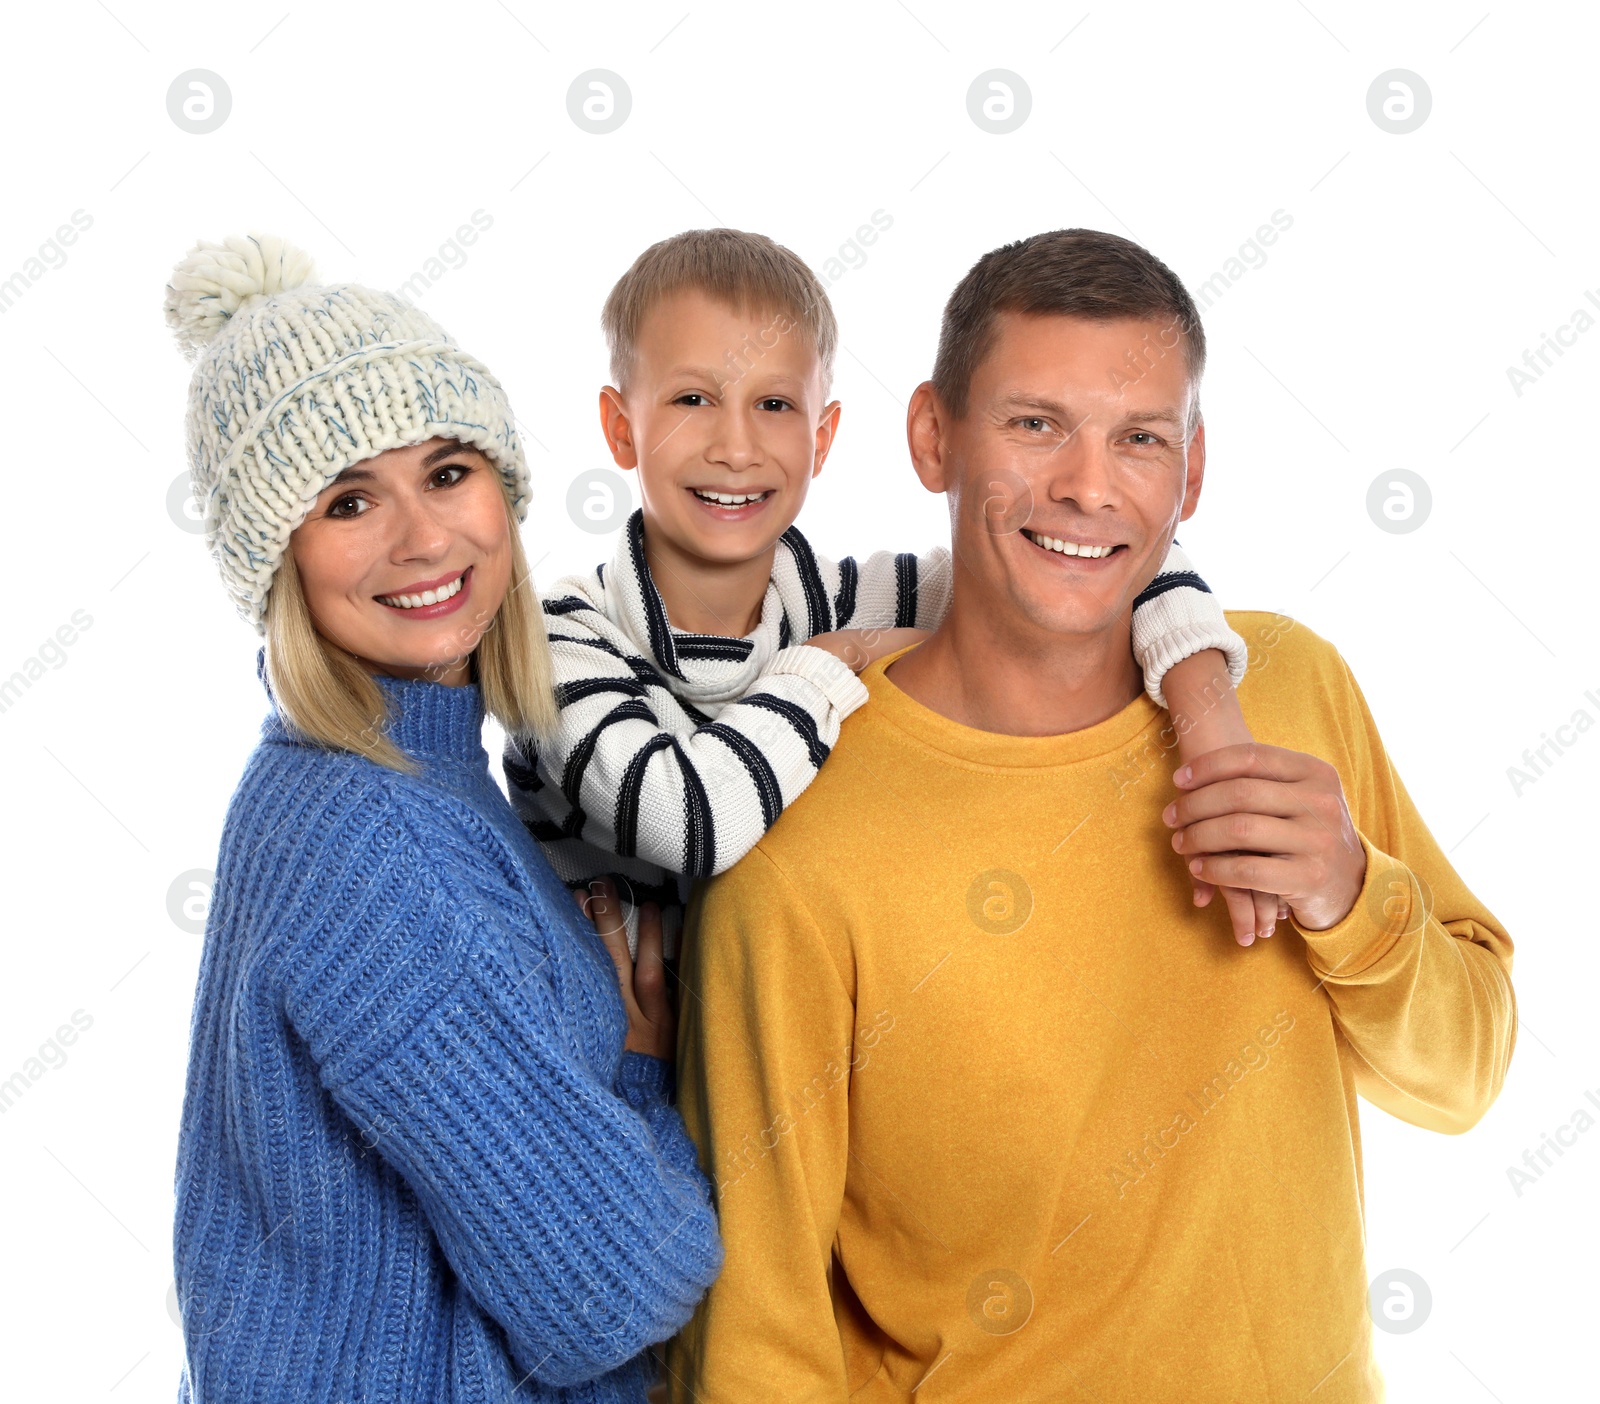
{"points": [[449, 474], [351, 506]]}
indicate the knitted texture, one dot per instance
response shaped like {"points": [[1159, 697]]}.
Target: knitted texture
{"points": [[676, 751], [293, 383], [415, 1162]]}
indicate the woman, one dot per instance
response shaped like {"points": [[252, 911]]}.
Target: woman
{"points": [[426, 1150]]}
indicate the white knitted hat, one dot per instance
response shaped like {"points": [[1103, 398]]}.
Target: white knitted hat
{"points": [[294, 382]]}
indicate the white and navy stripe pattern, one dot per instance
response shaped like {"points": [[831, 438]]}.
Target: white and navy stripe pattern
{"points": [[676, 751]]}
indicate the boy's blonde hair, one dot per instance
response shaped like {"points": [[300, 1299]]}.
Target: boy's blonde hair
{"points": [[330, 698], [748, 271]]}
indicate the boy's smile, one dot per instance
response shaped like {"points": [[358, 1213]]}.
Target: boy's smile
{"points": [[732, 504]]}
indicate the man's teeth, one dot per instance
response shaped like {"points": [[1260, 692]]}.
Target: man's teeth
{"points": [[1067, 548], [427, 597], [728, 499]]}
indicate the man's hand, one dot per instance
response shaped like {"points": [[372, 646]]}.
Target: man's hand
{"points": [[652, 1025], [1274, 820], [856, 648]]}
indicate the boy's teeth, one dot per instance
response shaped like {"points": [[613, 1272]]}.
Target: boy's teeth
{"points": [[427, 597], [728, 499], [1067, 548]]}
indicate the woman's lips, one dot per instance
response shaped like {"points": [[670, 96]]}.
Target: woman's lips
{"points": [[438, 608]]}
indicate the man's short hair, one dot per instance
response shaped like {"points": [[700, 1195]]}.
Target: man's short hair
{"points": [[1069, 273], [747, 271]]}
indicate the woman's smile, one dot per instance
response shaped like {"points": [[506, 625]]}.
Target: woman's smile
{"points": [[430, 599]]}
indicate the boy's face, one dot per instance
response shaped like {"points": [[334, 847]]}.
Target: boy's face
{"points": [[721, 404]]}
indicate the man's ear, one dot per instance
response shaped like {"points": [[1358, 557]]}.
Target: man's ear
{"points": [[1196, 472], [927, 422], [617, 427]]}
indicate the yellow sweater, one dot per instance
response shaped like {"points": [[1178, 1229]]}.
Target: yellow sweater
{"points": [[991, 1108]]}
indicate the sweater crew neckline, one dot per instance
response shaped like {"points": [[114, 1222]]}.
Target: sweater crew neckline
{"points": [[996, 750], [425, 719]]}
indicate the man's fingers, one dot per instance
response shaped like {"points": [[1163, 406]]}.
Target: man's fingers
{"points": [[606, 912], [1242, 833], [1247, 759], [650, 971], [1234, 796], [1283, 877]]}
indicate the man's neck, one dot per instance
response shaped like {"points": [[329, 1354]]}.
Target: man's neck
{"points": [[708, 597], [1025, 683]]}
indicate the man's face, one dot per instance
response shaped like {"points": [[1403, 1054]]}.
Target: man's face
{"points": [[1068, 442]]}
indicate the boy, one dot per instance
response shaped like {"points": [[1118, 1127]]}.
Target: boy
{"points": [[703, 674]]}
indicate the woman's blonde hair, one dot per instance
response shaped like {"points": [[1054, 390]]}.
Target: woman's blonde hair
{"points": [[329, 697]]}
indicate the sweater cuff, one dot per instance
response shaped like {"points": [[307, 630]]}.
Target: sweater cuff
{"points": [[1393, 905], [1181, 618], [834, 677], [1175, 635], [643, 1079]]}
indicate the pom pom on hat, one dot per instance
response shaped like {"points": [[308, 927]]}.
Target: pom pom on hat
{"points": [[215, 280]]}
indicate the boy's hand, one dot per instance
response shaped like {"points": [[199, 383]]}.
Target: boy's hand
{"points": [[1205, 713], [856, 648]]}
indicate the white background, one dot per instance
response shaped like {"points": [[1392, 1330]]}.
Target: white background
{"points": [[1376, 336]]}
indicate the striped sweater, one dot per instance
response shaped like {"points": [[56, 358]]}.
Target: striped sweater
{"points": [[676, 751]]}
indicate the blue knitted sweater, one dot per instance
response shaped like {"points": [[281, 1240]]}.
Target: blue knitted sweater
{"points": [[415, 1163]]}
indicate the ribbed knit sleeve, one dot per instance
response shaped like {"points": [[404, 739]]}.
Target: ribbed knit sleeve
{"points": [[565, 1198], [1176, 616]]}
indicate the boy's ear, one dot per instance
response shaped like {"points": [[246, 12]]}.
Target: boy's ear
{"points": [[1195, 478], [925, 426], [617, 427], [827, 430]]}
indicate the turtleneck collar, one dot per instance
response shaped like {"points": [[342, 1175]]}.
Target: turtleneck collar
{"points": [[714, 668], [426, 719]]}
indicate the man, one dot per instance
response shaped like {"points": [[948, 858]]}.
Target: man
{"points": [[992, 1111]]}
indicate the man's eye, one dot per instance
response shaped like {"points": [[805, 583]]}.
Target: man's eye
{"points": [[1141, 434], [1034, 424], [351, 506]]}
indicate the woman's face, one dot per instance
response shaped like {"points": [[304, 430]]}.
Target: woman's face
{"points": [[406, 557]]}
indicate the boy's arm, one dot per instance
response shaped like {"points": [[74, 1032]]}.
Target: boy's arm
{"points": [[650, 783], [1175, 616], [770, 1015]]}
